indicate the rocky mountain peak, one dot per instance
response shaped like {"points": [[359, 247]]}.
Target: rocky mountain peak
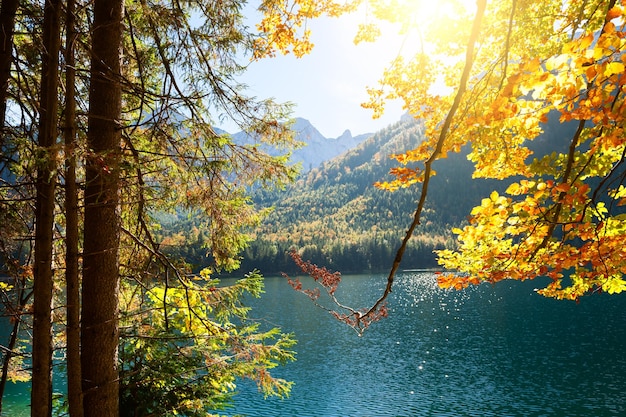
{"points": [[319, 148]]}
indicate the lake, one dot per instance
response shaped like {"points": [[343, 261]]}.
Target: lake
{"points": [[489, 350]]}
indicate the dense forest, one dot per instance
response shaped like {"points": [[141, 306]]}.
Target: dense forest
{"points": [[335, 216]]}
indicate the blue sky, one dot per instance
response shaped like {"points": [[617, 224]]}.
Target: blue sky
{"points": [[328, 85]]}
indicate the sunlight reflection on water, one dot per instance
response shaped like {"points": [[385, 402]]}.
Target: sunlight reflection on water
{"points": [[486, 351]]}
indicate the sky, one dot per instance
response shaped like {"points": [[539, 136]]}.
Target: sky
{"points": [[328, 85]]}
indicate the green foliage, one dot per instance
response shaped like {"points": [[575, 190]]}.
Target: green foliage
{"points": [[336, 217], [185, 346]]}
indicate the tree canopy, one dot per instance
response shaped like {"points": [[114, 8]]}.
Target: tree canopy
{"points": [[526, 62], [489, 75], [122, 117]]}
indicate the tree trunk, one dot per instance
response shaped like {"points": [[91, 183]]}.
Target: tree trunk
{"points": [[99, 331], [72, 282], [8, 355], [41, 394], [15, 313], [7, 25]]}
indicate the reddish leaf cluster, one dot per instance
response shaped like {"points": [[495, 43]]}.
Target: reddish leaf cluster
{"points": [[329, 280], [363, 318], [359, 320]]}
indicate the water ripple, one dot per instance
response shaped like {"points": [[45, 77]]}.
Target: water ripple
{"points": [[486, 351]]}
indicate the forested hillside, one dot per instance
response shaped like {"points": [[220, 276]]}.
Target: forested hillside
{"points": [[336, 217]]}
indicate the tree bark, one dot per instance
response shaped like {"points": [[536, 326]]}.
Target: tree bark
{"points": [[8, 354], [99, 331], [72, 282], [41, 394], [15, 312], [8, 9]]}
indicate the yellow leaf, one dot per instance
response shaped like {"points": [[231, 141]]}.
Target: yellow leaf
{"points": [[614, 285], [598, 53], [614, 68], [586, 41], [513, 221], [513, 189]]}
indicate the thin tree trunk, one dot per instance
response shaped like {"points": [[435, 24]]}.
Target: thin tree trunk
{"points": [[8, 355], [41, 394], [8, 9], [22, 299], [99, 331], [72, 282]]}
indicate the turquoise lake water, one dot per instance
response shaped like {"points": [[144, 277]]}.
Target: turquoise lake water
{"points": [[496, 350]]}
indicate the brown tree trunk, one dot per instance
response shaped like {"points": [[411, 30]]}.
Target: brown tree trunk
{"points": [[8, 354], [7, 25], [72, 282], [15, 313], [41, 394], [99, 331], [8, 9]]}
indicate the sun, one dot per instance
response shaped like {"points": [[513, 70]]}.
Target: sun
{"points": [[444, 8], [419, 11], [427, 19]]}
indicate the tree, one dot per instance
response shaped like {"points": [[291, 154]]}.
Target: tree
{"points": [[563, 220], [8, 9], [489, 76], [41, 393], [149, 129], [15, 298], [169, 157], [190, 344], [72, 215], [100, 288]]}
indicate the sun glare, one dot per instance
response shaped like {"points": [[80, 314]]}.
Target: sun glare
{"points": [[423, 22], [424, 12], [437, 9], [421, 28]]}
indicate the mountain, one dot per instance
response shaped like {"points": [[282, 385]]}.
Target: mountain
{"points": [[317, 148], [337, 218]]}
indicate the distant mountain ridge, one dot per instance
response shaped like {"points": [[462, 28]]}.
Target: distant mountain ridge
{"points": [[317, 148], [337, 218]]}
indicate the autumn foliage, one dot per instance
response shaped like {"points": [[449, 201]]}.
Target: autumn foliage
{"points": [[327, 280], [564, 219], [488, 76]]}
